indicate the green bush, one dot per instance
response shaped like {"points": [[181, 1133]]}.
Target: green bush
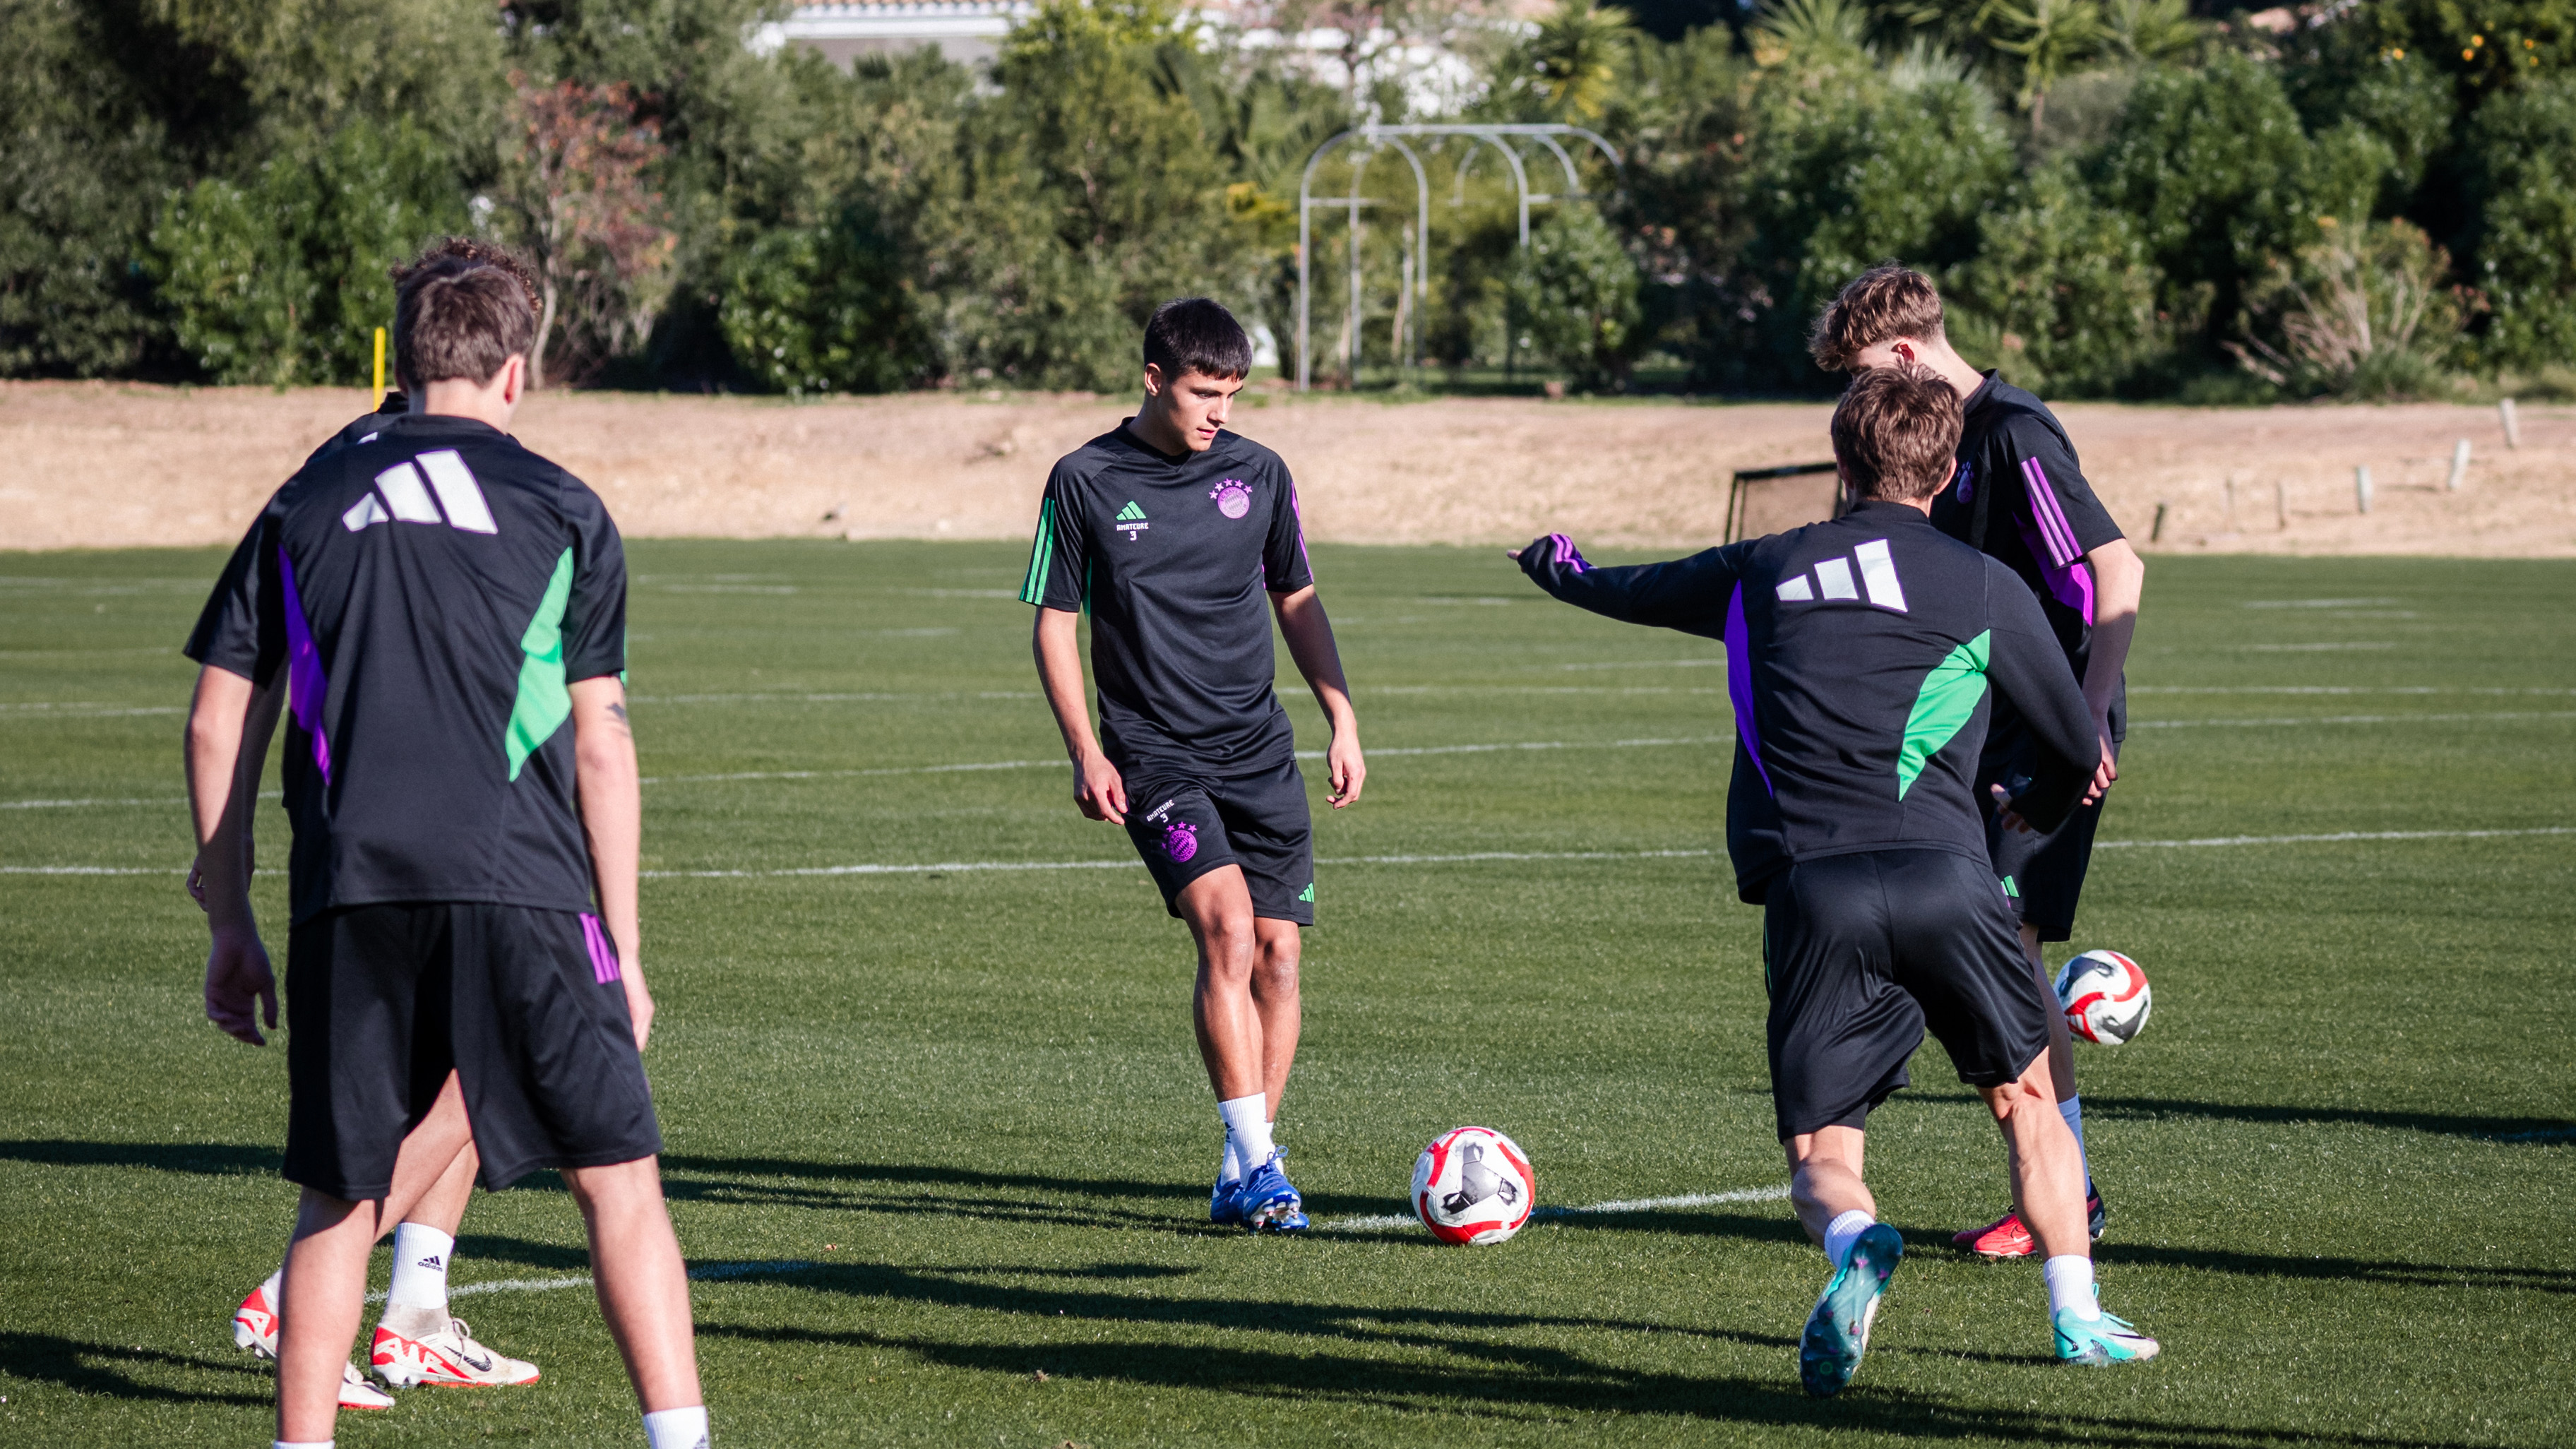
{"points": [[2369, 312], [825, 309], [1841, 178], [2522, 191], [1573, 295], [284, 279], [2061, 293]]}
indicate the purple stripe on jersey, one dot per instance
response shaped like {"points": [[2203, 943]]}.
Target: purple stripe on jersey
{"points": [[603, 954], [1568, 555], [2070, 584], [1739, 686], [305, 686], [1300, 515], [2062, 547]]}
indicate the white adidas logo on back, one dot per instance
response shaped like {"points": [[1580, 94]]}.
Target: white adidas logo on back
{"points": [[1834, 579], [400, 496]]}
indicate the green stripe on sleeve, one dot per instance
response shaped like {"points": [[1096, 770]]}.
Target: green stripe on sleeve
{"points": [[543, 703], [1041, 555], [1942, 708]]}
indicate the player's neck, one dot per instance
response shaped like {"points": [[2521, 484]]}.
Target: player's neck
{"points": [[1156, 430], [1953, 369]]}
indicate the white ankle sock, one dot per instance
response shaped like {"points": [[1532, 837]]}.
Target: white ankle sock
{"points": [[1844, 1231], [677, 1428], [421, 1256], [1231, 1168], [2072, 1109], [300, 1444], [2070, 1285], [1247, 1127]]}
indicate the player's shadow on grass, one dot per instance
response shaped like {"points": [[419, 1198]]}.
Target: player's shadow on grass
{"points": [[2441, 1124], [1521, 1383], [211, 1159], [482, 1248], [945, 1191], [102, 1369]]}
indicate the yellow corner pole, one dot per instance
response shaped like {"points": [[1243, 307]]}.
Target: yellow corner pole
{"points": [[380, 362]]}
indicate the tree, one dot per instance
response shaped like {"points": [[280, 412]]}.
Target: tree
{"points": [[2522, 186], [590, 220], [1574, 297]]}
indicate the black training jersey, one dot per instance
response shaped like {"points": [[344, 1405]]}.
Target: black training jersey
{"points": [[2020, 495], [1858, 658], [1175, 558], [363, 429], [431, 594]]}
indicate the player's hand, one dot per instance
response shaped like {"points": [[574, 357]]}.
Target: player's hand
{"points": [[1098, 789], [639, 1004], [2006, 815], [1346, 768], [2109, 768], [237, 975], [197, 880]]}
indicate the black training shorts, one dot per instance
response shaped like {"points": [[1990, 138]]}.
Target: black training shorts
{"points": [[525, 1006], [2042, 872], [1185, 824], [1862, 953]]}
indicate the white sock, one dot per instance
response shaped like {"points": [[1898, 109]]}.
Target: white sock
{"points": [[2072, 1109], [273, 1288], [1230, 1169], [421, 1255], [1247, 1127], [1844, 1231], [2070, 1286], [677, 1428], [299, 1444]]}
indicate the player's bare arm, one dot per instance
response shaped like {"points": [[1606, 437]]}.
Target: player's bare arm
{"points": [[239, 980], [1097, 788], [2119, 577], [1309, 633], [612, 821]]}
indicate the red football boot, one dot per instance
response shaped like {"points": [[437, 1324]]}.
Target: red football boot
{"points": [[2006, 1237]]}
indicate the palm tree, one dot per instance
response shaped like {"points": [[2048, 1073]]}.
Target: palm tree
{"points": [[2057, 37]]}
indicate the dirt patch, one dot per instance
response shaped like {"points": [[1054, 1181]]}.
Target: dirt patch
{"points": [[104, 465]]}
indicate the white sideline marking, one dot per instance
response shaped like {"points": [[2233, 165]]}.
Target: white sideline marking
{"points": [[2347, 719], [1465, 858], [84, 709], [1776, 1193], [2313, 648], [1642, 744], [703, 1273], [1650, 664], [2334, 689], [74, 804]]}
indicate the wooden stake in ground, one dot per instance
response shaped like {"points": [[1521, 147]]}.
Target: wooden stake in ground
{"points": [[2156, 534], [2512, 424], [2459, 466], [2281, 505], [2228, 490], [2361, 487]]}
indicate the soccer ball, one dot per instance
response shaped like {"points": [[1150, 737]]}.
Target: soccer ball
{"points": [[1473, 1185], [2105, 996]]}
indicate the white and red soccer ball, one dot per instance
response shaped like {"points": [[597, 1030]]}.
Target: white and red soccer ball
{"points": [[2105, 997], [1473, 1185]]}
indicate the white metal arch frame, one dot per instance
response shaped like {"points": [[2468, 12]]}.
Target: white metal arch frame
{"points": [[1419, 280]]}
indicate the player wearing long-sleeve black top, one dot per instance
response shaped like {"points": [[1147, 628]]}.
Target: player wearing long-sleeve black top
{"points": [[1863, 657]]}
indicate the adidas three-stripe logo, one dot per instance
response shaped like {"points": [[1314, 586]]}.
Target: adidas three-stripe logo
{"points": [[1131, 513], [1833, 579], [401, 496]]}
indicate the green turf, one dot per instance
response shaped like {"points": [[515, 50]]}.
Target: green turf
{"points": [[2339, 1160]]}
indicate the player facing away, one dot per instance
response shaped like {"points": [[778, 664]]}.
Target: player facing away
{"points": [[1181, 540], [1862, 656], [2020, 498], [417, 1340], [447, 610]]}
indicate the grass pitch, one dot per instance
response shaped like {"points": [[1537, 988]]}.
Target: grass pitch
{"points": [[939, 1143]]}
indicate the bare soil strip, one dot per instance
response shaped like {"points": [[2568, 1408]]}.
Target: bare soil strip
{"points": [[101, 465]]}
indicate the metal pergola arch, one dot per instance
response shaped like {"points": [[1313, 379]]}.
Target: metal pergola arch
{"points": [[1418, 282]]}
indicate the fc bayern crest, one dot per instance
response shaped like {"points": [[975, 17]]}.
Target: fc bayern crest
{"points": [[1233, 497], [1180, 841]]}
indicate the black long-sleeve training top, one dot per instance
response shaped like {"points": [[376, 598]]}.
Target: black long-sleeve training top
{"points": [[1859, 654]]}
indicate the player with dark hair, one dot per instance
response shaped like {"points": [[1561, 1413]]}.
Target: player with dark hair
{"points": [[2022, 499], [1861, 656], [1172, 533], [417, 1340], [442, 604]]}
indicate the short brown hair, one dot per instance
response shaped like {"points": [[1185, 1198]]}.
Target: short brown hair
{"points": [[1896, 431], [1886, 302], [472, 249], [458, 318]]}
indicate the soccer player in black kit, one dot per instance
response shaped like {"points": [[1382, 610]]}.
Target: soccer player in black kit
{"points": [[447, 611], [2020, 497], [1182, 541], [1861, 656]]}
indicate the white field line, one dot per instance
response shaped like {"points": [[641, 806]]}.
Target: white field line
{"points": [[2345, 719], [82, 710], [81, 804], [1401, 750], [2334, 689], [703, 1273], [1776, 1193], [1465, 858]]}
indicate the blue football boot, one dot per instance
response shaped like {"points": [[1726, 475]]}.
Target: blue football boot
{"points": [[1838, 1331], [2101, 1341], [1267, 1203], [1221, 1206]]}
